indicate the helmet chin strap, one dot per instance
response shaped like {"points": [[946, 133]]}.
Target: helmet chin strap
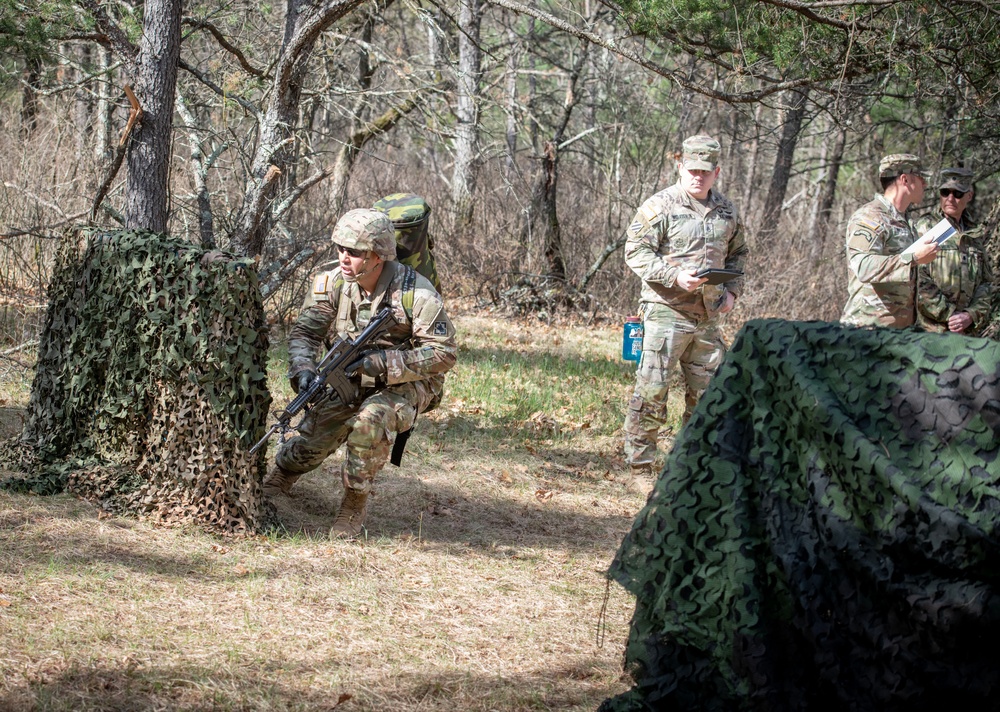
{"points": [[364, 270]]}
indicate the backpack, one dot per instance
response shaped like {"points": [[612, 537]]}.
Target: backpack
{"points": [[410, 215]]}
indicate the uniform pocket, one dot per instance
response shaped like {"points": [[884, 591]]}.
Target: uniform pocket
{"points": [[653, 343]]}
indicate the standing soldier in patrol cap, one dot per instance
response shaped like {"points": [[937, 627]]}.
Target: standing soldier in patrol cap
{"points": [[679, 231], [962, 300], [403, 377], [881, 277]]}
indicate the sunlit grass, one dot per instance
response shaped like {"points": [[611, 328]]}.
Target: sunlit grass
{"points": [[478, 587]]}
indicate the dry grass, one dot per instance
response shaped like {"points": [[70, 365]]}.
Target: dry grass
{"points": [[479, 587]]}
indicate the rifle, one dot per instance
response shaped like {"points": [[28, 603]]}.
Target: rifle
{"points": [[330, 380]]}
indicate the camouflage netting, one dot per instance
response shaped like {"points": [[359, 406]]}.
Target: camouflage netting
{"points": [[151, 383], [824, 535]]}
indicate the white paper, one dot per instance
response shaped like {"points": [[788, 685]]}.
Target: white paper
{"points": [[939, 234]]}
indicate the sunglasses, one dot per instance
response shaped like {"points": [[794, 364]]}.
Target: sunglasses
{"points": [[957, 194], [352, 251]]}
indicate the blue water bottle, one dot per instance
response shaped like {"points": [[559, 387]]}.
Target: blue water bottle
{"points": [[632, 339]]}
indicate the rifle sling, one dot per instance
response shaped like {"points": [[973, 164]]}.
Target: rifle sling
{"points": [[399, 446]]}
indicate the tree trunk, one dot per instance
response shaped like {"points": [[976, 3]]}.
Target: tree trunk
{"points": [[827, 196], [103, 110], [199, 173], [543, 217], [750, 180], [463, 182], [511, 96], [148, 157], [274, 152], [349, 149], [548, 216], [31, 76], [783, 163]]}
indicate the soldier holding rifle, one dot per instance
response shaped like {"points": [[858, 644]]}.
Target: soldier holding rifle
{"points": [[402, 377]]}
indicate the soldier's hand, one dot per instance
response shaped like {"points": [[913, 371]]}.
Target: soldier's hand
{"points": [[959, 322], [302, 380], [925, 253], [687, 281], [728, 300], [371, 364]]}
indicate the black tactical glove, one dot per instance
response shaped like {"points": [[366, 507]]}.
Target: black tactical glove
{"points": [[371, 364], [302, 380]]}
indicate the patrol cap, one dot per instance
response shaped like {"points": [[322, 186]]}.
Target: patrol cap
{"points": [[898, 164], [366, 229], [700, 153], [957, 178]]}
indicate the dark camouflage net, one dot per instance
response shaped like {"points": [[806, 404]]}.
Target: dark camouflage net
{"points": [[824, 535], [151, 383]]}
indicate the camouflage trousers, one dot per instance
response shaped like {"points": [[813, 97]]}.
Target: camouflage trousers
{"points": [[669, 338], [368, 428]]}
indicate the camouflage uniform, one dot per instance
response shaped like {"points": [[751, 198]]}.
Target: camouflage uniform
{"points": [[673, 231], [881, 282], [419, 349], [960, 276]]}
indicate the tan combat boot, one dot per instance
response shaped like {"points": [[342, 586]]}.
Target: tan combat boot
{"points": [[643, 470], [351, 517], [279, 482]]}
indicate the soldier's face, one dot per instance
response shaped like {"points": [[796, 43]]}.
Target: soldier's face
{"points": [[954, 207], [352, 266], [697, 183]]}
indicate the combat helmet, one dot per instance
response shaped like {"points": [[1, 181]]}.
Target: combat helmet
{"points": [[366, 229]]}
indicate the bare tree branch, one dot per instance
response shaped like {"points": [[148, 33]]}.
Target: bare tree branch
{"points": [[613, 46], [226, 44]]}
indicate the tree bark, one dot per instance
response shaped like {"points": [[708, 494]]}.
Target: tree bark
{"points": [[148, 157], [828, 194], [511, 97], [783, 163], [543, 217], [274, 151], [29, 95], [199, 172], [750, 179], [463, 182]]}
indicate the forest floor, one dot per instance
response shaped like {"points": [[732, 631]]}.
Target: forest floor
{"points": [[480, 584]]}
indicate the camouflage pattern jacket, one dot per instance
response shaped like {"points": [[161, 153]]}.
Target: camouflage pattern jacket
{"points": [[881, 282], [420, 347], [672, 232], [962, 277]]}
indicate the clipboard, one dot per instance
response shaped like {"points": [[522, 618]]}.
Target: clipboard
{"points": [[939, 234], [718, 276]]}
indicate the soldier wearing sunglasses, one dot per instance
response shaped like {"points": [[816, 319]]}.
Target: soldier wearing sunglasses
{"points": [[881, 273], [960, 303], [403, 377]]}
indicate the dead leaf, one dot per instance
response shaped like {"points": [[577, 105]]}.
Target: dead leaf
{"points": [[543, 494]]}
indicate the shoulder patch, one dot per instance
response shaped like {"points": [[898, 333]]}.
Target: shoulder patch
{"points": [[649, 212], [440, 328], [320, 284], [869, 225]]}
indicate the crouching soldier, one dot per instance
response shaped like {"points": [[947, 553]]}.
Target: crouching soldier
{"points": [[404, 376]]}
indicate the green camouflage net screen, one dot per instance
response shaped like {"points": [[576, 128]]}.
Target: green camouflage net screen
{"points": [[151, 383], [824, 533]]}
